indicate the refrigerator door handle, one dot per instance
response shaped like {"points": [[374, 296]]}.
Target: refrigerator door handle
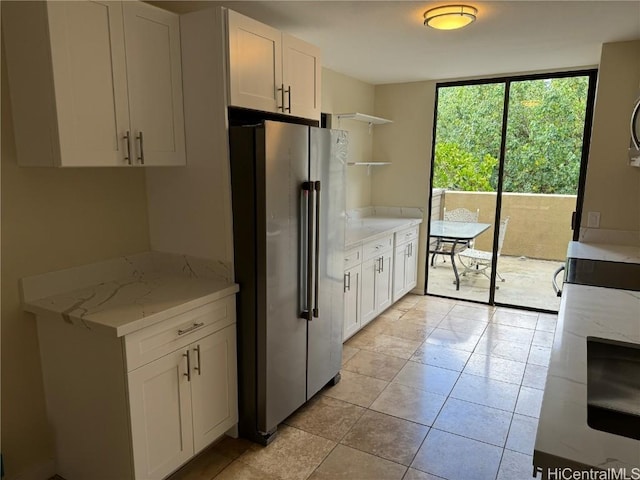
{"points": [[308, 191], [317, 250]]}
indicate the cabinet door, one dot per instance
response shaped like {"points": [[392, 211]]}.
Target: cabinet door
{"points": [[255, 64], [384, 282], [351, 302], [161, 428], [411, 269], [368, 296], [301, 77], [214, 386], [155, 84], [399, 271], [89, 74]]}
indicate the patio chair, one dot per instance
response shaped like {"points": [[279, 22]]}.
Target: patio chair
{"points": [[443, 246], [478, 261]]}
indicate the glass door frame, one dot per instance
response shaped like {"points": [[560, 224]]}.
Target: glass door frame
{"points": [[592, 75]]}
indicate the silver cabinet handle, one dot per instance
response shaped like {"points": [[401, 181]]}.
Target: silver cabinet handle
{"points": [[188, 374], [141, 157], [347, 282], [381, 264], [198, 368], [191, 328], [281, 90], [127, 137], [288, 109]]}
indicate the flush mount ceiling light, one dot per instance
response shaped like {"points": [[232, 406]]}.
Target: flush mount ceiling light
{"points": [[450, 17]]}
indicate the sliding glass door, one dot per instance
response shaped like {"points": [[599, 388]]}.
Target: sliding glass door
{"points": [[464, 185], [514, 151]]}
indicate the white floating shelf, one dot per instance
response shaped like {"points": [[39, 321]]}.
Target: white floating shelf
{"points": [[362, 117], [369, 164]]}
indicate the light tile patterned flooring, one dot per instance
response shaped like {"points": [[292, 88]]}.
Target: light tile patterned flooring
{"points": [[433, 388]]}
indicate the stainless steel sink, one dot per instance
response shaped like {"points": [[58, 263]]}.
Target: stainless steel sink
{"points": [[613, 386]]}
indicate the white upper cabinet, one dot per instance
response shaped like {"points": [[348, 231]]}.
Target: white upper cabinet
{"points": [[301, 77], [270, 70], [255, 64], [94, 83], [155, 84]]}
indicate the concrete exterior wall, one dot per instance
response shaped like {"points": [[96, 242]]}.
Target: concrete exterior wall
{"points": [[539, 225]]}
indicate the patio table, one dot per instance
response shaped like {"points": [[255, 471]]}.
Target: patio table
{"points": [[456, 233]]}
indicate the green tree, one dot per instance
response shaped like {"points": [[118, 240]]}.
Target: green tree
{"points": [[460, 170], [544, 135]]}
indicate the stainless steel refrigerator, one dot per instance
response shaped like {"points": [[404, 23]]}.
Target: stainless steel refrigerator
{"points": [[288, 186]]}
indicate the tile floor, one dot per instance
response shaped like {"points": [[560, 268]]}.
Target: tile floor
{"points": [[527, 282], [433, 388]]}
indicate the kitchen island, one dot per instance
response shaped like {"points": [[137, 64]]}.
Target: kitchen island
{"points": [[564, 438]]}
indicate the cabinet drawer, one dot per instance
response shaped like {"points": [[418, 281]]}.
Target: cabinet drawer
{"points": [[146, 345], [376, 247], [352, 257], [406, 235]]}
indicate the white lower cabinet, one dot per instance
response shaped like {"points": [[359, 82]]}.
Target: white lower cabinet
{"points": [[181, 402], [352, 293], [405, 276], [161, 416], [377, 277], [138, 407], [377, 274]]}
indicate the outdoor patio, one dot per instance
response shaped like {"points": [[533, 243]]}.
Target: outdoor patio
{"points": [[527, 282]]}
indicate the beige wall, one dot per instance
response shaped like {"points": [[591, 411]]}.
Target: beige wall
{"points": [[51, 219], [343, 94], [613, 187], [407, 144], [539, 225]]}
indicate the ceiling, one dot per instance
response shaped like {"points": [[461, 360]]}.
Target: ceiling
{"points": [[386, 42]]}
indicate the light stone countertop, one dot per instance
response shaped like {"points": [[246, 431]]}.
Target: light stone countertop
{"points": [[564, 438], [601, 251], [370, 228], [123, 295]]}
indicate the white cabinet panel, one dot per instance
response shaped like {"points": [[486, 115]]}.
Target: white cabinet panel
{"points": [[155, 84], [400, 271], [384, 281], [411, 269], [87, 56], [301, 77], [352, 293], [405, 276], [214, 387], [368, 297], [255, 63], [161, 428]]}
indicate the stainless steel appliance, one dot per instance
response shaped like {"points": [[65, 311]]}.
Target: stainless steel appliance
{"points": [[599, 273], [634, 147], [288, 188]]}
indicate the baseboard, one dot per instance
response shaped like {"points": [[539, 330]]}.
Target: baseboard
{"points": [[42, 471]]}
